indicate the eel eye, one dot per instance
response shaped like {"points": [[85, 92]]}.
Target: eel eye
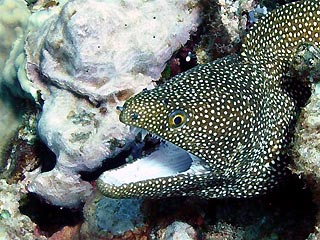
{"points": [[177, 118]]}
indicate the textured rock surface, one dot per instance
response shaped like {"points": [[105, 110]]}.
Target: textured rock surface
{"points": [[9, 122], [179, 230], [95, 48], [22, 151], [14, 225], [308, 139], [307, 66], [13, 21], [106, 217], [67, 233], [226, 23], [60, 188], [307, 161]]}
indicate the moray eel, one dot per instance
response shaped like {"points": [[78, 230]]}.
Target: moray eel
{"points": [[226, 123]]}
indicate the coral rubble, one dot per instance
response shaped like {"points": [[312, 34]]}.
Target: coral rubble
{"points": [[10, 216]]}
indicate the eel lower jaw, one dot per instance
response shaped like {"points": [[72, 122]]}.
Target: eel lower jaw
{"points": [[168, 160]]}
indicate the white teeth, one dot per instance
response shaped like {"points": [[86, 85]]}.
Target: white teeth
{"points": [[157, 137], [136, 131], [143, 133]]}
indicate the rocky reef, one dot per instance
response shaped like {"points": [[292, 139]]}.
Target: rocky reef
{"points": [[10, 216], [106, 217], [306, 146], [71, 63]]}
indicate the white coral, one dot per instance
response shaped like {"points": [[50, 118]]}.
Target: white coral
{"points": [[93, 47]]}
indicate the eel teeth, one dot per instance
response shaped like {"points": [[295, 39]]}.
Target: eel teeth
{"points": [[143, 133], [139, 131]]}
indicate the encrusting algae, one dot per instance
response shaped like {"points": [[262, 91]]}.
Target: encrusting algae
{"points": [[231, 117]]}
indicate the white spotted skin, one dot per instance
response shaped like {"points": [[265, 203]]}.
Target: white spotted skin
{"points": [[238, 114], [291, 25]]}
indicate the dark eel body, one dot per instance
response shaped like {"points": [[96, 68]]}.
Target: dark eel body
{"points": [[232, 115]]}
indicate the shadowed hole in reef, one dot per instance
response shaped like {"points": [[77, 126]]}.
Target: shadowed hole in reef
{"points": [[47, 157], [287, 213], [49, 218]]}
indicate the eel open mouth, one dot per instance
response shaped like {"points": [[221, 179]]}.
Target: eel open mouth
{"points": [[168, 160]]}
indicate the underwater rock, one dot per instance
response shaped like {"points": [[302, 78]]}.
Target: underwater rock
{"points": [[106, 217], [88, 59], [308, 139], [10, 119], [37, 27], [14, 225], [94, 47], [225, 231], [179, 230], [83, 135], [13, 21], [67, 233], [225, 24], [23, 150], [60, 188], [306, 68]]}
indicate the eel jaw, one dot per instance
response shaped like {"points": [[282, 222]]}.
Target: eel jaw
{"points": [[168, 160]]}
